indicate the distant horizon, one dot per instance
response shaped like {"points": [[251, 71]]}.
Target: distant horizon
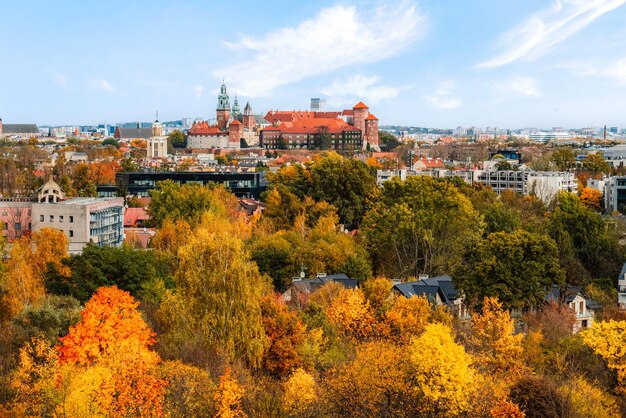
{"points": [[426, 63]]}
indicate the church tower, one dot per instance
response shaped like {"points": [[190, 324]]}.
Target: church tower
{"points": [[236, 112], [157, 127], [248, 117], [223, 108]]}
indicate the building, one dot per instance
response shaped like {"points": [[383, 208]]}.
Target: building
{"points": [[232, 126], [615, 194], [132, 133], [157, 147], [349, 130], [438, 290], [19, 130], [582, 307], [317, 104], [83, 220], [242, 184]]}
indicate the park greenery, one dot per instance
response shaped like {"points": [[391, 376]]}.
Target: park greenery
{"points": [[196, 325]]}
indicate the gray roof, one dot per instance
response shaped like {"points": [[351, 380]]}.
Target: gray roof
{"points": [[20, 128], [441, 285], [143, 133], [311, 285]]}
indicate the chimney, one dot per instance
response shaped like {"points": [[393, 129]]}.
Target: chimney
{"points": [[422, 276]]}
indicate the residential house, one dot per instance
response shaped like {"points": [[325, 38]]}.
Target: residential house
{"points": [[438, 290], [301, 288], [573, 297]]}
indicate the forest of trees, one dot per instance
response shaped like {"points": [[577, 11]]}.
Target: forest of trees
{"points": [[195, 326]]}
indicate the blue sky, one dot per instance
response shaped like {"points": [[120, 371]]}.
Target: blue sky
{"points": [[436, 63]]}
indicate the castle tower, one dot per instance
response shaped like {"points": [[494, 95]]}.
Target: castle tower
{"points": [[361, 111], [235, 111], [248, 117], [0, 126], [371, 132], [223, 108], [235, 133], [157, 127]]}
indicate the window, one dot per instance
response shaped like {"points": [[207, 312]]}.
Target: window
{"points": [[71, 233], [582, 306], [41, 218], [51, 218], [71, 219], [61, 218], [18, 226]]}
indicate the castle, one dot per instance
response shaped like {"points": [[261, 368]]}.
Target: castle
{"points": [[353, 129], [231, 127], [347, 130]]}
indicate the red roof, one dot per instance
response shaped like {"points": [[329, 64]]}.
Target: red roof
{"points": [[134, 215], [371, 117], [360, 105], [315, 125], [236, 122], [203, 128]]}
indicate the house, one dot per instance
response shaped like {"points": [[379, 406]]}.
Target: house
{"points": [[621, 288], [582, 307], [438, 290], [301, 288], [135, 217]]}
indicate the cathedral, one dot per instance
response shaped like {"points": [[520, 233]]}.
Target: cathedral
{"points": [[232, 126]]}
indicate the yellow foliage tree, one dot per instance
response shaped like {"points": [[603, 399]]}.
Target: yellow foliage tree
{"points": [[352, 313], [608, 340], [408, 317], [493, 339], [441, 372], [589, 401], [228, 397], [506, 409], [378, 292], [300, 393], [190, 390]]}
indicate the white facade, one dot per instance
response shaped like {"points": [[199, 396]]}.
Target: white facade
{"points": [[546, 184], [584, 316], [208, 141], [615, 193], [157, 147]]}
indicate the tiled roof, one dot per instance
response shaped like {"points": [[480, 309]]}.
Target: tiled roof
{"points": [[236, 122], [360, 105], [130, 133], [13, 128], [371, 117], [203, 128], [134, 215]]}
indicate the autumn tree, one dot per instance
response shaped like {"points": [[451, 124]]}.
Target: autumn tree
{"points": [[177, 139], [591, 198], [352, 313], [419, 226], [217, 303], [408, 317], [285, 332], [596, 164], [515, 267], [300, 394], [228, 397], [190, 390], [441, 372], [109, 351], [608, 340], [564, 159], [493, 339]]}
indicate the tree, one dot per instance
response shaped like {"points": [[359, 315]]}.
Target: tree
{"points": [[228, 397], [538, 397], [352, 313], [591, 198], [408, 317], [596, 164], [564, 159], [190, 390], [217, 303], [177, 139], [111, 141], [608, 340], [387, 140], [516, 268], [285, 332], [493, 338], [419, 226], [300, 394], [128, 268], [441, 372], [188, 202]]}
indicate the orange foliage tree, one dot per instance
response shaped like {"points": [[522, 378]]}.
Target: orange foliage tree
{"points": [[591, 198], [228, 397]]}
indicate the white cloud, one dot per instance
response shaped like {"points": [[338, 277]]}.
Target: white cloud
{"points": [[549, 27], [198, 89], [519, 86], [617, 71], [444, 97], [337, 37], [359, 87], [102, 85]]}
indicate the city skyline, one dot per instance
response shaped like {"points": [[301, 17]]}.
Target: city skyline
{"points": [[427, 63]]}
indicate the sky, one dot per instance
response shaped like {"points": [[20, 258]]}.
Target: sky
{"points": [[429, 63]]}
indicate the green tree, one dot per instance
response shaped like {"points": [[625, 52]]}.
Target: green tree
{"points": [[111, 141], [596, 164], [419, 226], [188, 201], [129, 269], [564, 159], [177, 139], [387, 140], [515, 267]]}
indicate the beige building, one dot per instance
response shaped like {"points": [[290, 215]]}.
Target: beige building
{"points": [[157, 147]]}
